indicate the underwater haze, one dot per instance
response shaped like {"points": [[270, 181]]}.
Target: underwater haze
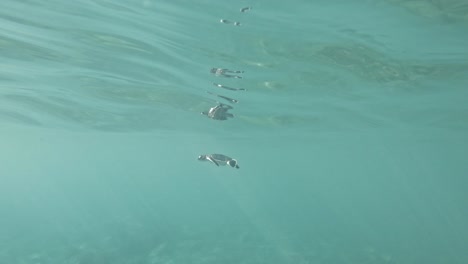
{"points": [[348, 120]]}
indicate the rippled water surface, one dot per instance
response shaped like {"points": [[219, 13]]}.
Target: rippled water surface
{"points": [[351, 133]]}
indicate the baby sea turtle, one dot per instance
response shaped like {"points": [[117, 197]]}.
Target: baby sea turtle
{"points": [[219, 160], [225, 21], [219, 112], [245, 9], [225, 73], [228, 88], [224, 97]]}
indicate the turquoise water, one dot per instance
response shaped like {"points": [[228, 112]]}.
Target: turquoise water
{"points": [[351, 137]]}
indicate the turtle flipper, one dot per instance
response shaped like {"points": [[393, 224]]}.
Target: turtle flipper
{"points": [[225, 106], [212, 160]]}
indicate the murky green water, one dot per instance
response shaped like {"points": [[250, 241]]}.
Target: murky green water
{"points": [[351, 136]]}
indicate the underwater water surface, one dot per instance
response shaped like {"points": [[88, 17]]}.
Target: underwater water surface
{"points": [[349, 127]]}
